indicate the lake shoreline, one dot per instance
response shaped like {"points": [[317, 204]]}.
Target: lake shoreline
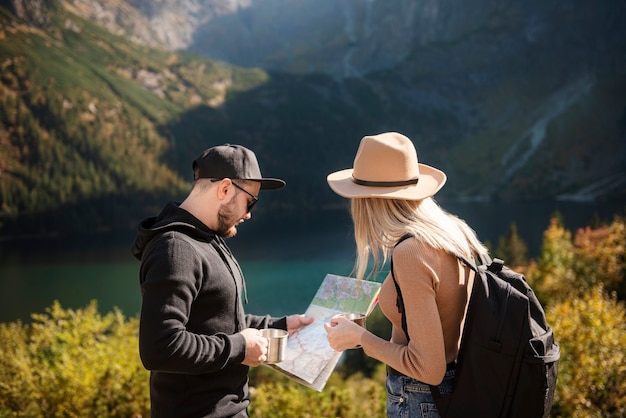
{"points": [[282, 261]]}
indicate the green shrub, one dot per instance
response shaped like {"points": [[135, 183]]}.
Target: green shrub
{"points": [[353, 397], [554, 276], [71, 363], [591, 331]]}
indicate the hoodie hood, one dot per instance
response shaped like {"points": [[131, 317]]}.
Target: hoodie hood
{"points": [[171, 218]]}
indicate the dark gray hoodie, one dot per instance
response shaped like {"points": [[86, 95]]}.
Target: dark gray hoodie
{"points": [[191, 314]]}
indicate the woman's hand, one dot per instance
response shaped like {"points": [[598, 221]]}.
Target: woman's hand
{"points": [[343, 333]]}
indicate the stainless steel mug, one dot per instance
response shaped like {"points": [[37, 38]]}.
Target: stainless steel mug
{"points": [[277, 344], [357, 318]]}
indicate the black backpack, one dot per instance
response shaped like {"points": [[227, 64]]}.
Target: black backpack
{"points": [[508, 360]]}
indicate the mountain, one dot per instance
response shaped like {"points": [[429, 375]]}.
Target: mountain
{"points": [[104, 104], [83, 118], [347, 38], [503, 73]]}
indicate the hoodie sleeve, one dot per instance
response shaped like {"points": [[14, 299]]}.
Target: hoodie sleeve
{"points": [[171, 278], [260, 322]]}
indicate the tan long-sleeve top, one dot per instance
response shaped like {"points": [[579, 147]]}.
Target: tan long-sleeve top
{"points": [[434, 288]]}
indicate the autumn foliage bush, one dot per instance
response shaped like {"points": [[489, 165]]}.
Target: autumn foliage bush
{"points": [[581, 279], [72, 363], [591, 330], [77, 363], [354, 396]]}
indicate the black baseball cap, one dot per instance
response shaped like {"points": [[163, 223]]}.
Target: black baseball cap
{"points": [[234, 162]]}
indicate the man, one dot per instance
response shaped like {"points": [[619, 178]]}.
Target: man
{"points": [[194, 336]]}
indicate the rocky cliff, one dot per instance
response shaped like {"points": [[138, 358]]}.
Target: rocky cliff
{"points": [[356, 37], [513, 99]]}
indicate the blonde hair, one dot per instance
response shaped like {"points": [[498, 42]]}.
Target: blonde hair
{"points": [[380, 223]]}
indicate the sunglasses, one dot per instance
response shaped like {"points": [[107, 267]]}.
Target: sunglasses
{"points": [[254, 198]]}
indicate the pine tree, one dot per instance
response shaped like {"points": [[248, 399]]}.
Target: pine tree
{"points": [[512, 248]]}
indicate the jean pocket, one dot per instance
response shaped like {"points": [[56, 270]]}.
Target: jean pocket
{"points": [[395, 406], [395, 398]]}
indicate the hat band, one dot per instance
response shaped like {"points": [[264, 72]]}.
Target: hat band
{"points": [[384, 183]]}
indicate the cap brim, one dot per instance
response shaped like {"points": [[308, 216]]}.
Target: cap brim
{"points": [[271, 183], [431, 180]]}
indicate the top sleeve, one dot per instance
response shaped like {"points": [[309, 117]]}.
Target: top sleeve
{"points": [[416, 271], [260, 322]]}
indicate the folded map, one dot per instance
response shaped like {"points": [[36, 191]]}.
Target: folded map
{"points": [[309, 359]]}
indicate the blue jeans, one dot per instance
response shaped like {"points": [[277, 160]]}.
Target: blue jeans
{"points": [[410, 398]]}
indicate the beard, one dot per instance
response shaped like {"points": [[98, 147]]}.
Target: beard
{"points": [[227, 220]]}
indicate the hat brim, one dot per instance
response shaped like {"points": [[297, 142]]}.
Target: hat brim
{"points": [[430, 181]]}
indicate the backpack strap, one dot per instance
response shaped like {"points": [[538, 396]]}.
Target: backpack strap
{"points": [[400, 304], [469, 264], [399, 300]]}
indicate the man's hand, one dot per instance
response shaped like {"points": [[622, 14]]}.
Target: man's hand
{"points": [[256, 347], [295, 322]]}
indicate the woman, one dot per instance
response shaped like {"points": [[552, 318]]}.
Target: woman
{"points": [[391, 198]]}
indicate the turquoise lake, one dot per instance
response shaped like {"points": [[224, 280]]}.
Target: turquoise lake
{"points": [[283, 270]]}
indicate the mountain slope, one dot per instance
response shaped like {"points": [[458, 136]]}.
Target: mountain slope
{"points": [[501, 75], [80, 117], [97, 130]]}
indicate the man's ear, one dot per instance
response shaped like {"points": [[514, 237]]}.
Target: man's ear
{"points": [[223, 188]]}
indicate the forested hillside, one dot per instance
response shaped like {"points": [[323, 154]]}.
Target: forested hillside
{"points": [[97, 129], [83, 117]]}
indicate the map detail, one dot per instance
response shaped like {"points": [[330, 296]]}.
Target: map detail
{"points": [[309, 359], [346, 294]]}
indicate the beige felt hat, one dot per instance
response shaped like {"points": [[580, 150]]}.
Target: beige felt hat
{"points": [[386, 167]]}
